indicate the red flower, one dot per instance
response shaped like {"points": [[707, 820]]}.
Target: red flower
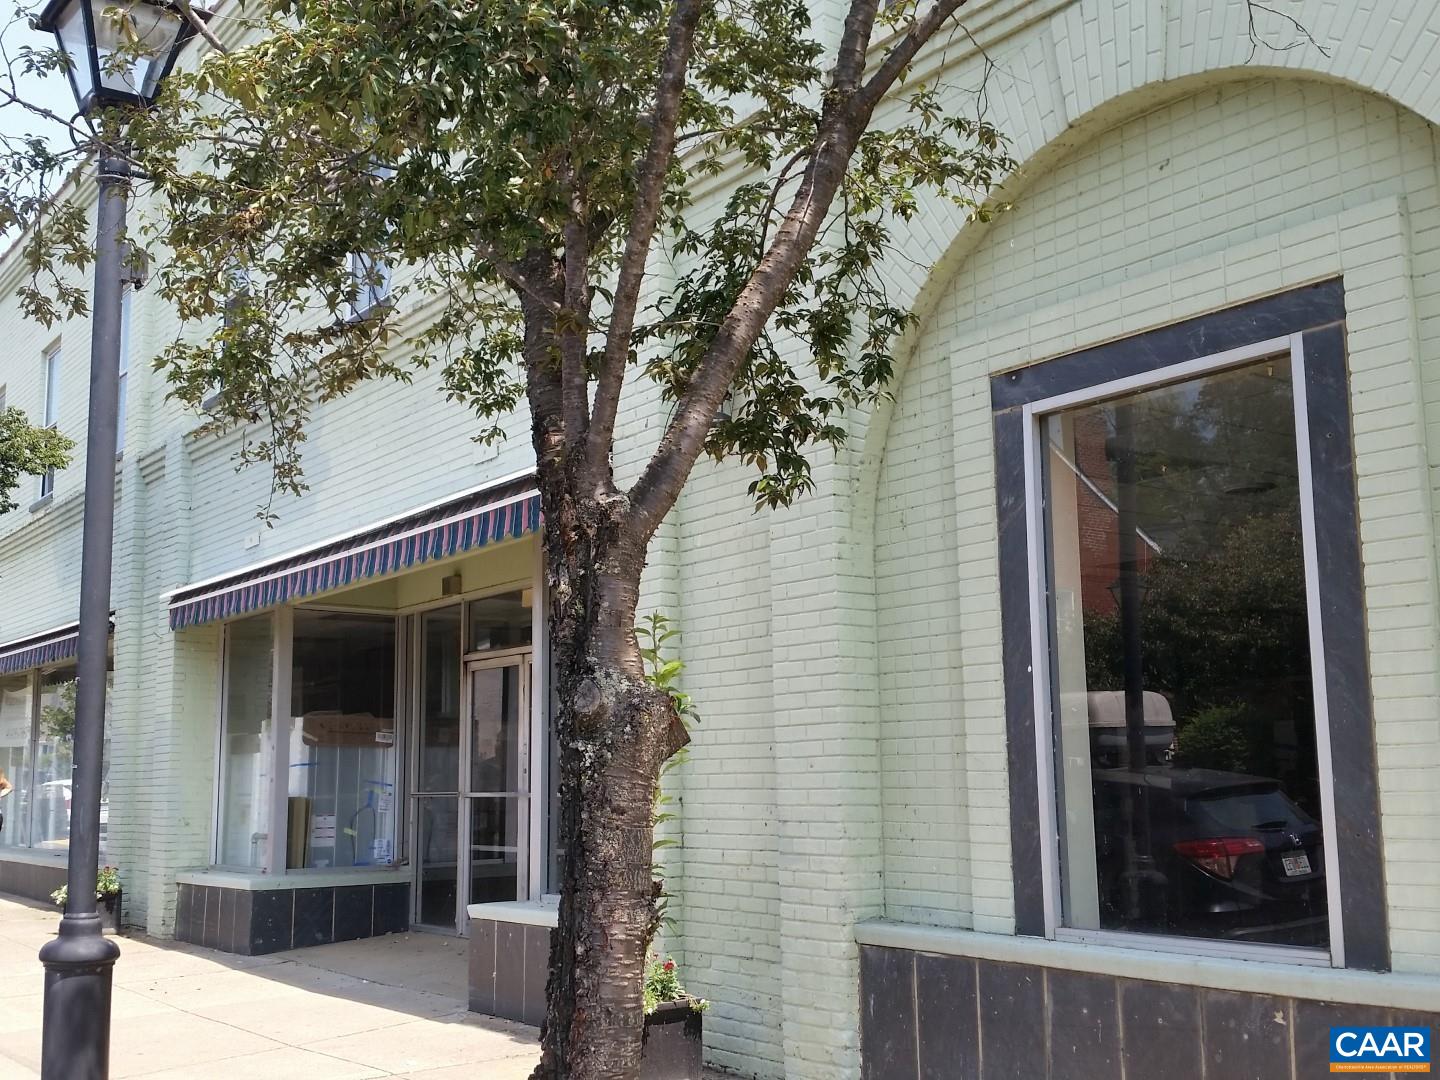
{"points": [[669, 965]]}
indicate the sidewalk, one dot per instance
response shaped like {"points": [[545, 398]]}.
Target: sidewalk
{"points": [[389, 1007]]}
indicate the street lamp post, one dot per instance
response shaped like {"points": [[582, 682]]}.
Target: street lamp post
{"points": [[118, 54]]}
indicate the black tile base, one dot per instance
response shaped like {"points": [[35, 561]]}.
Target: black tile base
{"points": [[32, 881], [509, 963], [922, 1017], [255, 922]]}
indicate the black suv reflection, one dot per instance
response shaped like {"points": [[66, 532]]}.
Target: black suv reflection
{"points": [[1229, 856]]}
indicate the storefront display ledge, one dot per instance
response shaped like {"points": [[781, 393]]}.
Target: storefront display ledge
{"points": [[510, 958], [32, 857], [310, 879], [524, 912], [31, 874], [1394, 990]]}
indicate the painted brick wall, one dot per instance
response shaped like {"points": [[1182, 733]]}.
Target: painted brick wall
{"points": [[845, 656], [1172, 212]]}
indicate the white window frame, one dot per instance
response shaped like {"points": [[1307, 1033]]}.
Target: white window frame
{"points": [[33, 678], [35, 691], [217, 818], [238, 278], [1041, 614], [372, 277], [50, 372]]}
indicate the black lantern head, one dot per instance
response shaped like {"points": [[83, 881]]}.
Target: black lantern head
{"points": [[119, 50]]}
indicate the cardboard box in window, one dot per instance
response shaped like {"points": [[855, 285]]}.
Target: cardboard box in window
{"points": [[347, 729]]}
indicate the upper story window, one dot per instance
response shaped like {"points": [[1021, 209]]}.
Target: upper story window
{"points": [[1198, 727], [371, 279], [235, 297], [370, 274], [50, 409]]}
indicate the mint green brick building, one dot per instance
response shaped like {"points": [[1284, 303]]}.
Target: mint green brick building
{"points": [[1087, 715]]}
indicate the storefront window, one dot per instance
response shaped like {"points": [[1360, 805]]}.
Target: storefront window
{"points": [[15, 701], [501, 622], [1187, 773], [54, 761], [247, 751], [498, 777], [342, 760], [439, 860], [440, 701]]}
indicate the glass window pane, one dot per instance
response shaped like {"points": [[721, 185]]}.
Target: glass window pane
{"points": [[494, 849], [438, 859], [439, 765], [1188, 774], [246, 756], [342, 741], [54, 761], [15, 703], [52, 386], [501, 622], [495, 738], [142, 35]]}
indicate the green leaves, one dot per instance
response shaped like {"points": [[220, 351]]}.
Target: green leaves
{"points": [[26, 451], [455, 144]]}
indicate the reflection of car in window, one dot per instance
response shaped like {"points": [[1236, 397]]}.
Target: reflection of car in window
{"points": [[1232, 856]]}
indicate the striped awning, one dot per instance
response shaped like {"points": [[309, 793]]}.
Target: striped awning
{"points": [[505, 512], [41, 650]]}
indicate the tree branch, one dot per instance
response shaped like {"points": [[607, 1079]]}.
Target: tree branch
{"points": [[848, 109], [570, 325], [518, 279], [649, 193], [194, 19], [894, 65]]}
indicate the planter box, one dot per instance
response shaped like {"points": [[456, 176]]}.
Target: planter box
{"points": [[110, 905], [673, 1047]]}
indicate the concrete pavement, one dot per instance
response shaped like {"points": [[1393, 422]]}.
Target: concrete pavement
{"points": [[388, 1007]]}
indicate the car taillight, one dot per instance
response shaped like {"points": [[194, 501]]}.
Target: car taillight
{"points": [[1219, 856]]}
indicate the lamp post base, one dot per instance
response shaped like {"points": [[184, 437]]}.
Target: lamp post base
{"points": [[79, 964]]}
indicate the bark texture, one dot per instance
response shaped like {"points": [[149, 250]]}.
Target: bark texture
{"points": [[616, 731]]}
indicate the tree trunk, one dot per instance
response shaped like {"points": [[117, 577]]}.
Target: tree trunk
{"points": [[615, 732]]}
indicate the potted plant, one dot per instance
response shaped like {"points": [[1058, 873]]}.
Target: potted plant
{"points": [[673, 1028], [107, 892]]}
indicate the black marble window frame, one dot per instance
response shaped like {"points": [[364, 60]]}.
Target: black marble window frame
{"points": [[1316, 312]]}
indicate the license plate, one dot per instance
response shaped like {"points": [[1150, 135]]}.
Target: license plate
{"points": [[1295, 865]]}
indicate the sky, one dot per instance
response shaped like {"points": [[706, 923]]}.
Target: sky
{"points": [[52, 92]]}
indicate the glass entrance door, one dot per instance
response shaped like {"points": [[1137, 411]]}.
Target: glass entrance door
{"points": [[497, 790], [437, 771], [472, 771]]}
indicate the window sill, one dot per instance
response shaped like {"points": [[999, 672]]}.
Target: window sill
{"points": [[1389, 990], [42, 502], [300, 879], [519, 912], [33, 857], [372, 311]]}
